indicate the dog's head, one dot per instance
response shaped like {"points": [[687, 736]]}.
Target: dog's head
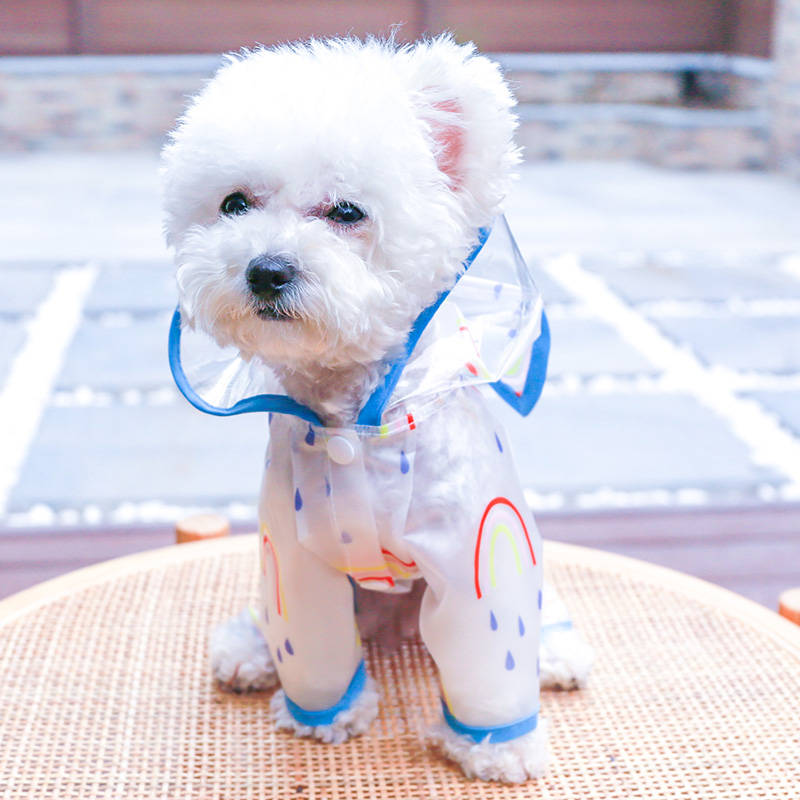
{"points": [[319, 196]]}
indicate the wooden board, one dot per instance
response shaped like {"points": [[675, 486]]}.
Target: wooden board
{"points": [[197, 26]]}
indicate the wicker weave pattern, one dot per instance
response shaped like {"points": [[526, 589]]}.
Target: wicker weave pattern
{"points": [[104, 692]]}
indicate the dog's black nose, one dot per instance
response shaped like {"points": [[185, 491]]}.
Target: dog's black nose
{"points": [[268, 276]]}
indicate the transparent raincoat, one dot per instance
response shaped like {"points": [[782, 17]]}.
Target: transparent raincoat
{"points": [[423, 485]]}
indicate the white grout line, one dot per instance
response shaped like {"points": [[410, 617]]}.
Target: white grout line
{"points": [[770, 444], [27, 390], [730, 309], [126, 513]]}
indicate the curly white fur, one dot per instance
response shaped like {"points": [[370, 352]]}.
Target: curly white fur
{"points": [[239, 656], [508, 762], [565, 659], [353, 721]]}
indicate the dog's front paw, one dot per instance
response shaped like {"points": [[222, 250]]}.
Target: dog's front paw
{"points": [[565, 659], [240, 659], [514, 761], [351, 721]]}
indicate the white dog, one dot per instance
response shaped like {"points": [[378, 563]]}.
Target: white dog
{"points": [[323, 200]]}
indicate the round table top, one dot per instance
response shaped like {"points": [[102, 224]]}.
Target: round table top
{"points": [[105, 692]]}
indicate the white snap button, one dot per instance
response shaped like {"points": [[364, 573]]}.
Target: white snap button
{"points": [[340, 450]]}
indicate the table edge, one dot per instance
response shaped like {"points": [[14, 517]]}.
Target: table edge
{"points": [[723, 600]]}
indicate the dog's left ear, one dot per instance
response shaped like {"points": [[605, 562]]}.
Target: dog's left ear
{"points": [[466, 108], [447, 133]]}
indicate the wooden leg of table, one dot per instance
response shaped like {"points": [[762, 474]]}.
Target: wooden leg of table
{"points": [[200, 527], [789, 605]]}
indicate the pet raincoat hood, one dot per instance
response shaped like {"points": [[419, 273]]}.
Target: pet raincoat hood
{"points": [[373, 504], [488, 329]]}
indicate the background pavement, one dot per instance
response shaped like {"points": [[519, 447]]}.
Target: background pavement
{"points": [[674, 300]]}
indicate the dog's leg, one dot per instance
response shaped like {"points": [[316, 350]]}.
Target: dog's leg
{"points": [[565, 657], [239, 655], [310, 628], [485, 644]]}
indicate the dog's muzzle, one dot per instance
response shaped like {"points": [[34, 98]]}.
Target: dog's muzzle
{"points": [[270, 279]]}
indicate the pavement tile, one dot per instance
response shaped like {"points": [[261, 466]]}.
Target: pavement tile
{"points": [[588, 347], [23, 287], [698, 280], [113, 358], [583, 443], [551, 291], [768, 344], [12, 336], [174, 454], [134, 288], [785, 404]]}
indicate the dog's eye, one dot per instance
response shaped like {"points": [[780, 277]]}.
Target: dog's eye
{"points": [[235, 203], [346, 213]]}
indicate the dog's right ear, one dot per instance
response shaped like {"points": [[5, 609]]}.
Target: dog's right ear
{"points": [[467, 110]]}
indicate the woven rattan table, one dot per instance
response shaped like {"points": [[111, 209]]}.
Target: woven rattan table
{"points": [[104, 692]]}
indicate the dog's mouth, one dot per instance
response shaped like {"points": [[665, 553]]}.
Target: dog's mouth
{"points": [[274, 313]]}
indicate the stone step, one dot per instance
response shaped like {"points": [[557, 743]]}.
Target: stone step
{"points": [[684, 110], [666, 136], [693, 79]]}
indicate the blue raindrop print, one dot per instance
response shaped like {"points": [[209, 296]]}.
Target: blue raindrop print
{"points": [[499, 443], [497, 289], [540, 599], [298, 500], [404, 465], [493, 620], [280, 655], [289, 649], [510, 661], [310, 437], [327, 488], [346, 538], [512, 333], [521, 627]]}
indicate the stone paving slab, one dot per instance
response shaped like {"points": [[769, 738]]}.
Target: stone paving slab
{"points": [[173, 454], [785, 404], [570, 445], [109, 357], [705, 238], [12, 337], [23, 287], [80, 206], [134, 289], [628, 207], [587, 346], [653, 280], [551, 291], [584, 443], [767, 344]]}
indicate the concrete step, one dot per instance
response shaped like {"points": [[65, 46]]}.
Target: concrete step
{"points": [[666, 136], [694, 110], [684, 110], [686, 79]]}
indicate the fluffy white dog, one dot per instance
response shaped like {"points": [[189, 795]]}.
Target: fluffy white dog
{"points": [[322, 201]]}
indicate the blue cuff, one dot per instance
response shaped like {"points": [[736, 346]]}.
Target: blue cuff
{"points": [[495, 735], [327, 715]]}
